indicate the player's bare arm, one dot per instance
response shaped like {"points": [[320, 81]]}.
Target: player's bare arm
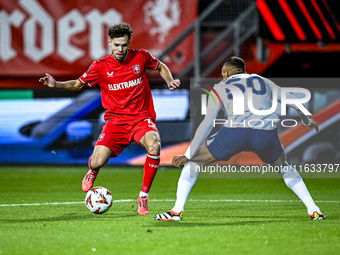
{"points": [[167, 76], [72, 85], [179, 161]]}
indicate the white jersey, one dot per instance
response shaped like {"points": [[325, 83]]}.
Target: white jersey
{"points": [[248, 101]]}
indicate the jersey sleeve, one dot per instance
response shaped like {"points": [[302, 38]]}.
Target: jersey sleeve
{"points": [[304, 118], [90, 77], [271, 86], [205, 126], [151, 63]]}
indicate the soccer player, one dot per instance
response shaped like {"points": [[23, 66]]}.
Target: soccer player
{"points": [[235, 136], [126, 96]]}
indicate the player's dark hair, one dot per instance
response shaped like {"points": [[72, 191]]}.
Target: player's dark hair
{"points": [[120, 30], [235, 65]]}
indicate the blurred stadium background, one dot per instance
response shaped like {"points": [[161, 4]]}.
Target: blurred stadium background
{"points": [[296, 43]]}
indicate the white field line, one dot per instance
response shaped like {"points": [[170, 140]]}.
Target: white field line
{"points": [[172, 200]]}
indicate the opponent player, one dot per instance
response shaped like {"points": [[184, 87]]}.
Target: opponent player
{"points": [[236, 135], [126, 96]]}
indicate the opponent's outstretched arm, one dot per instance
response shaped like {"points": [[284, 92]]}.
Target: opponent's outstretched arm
{"points": [[306, 121], [201, 134], [49, 81]]}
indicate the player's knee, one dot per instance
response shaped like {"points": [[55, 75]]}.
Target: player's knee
{"points": [[153, 143], [154, 147]]}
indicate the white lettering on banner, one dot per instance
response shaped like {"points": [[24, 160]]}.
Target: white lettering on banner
{"points": [[69, 25], [15, 19], [38, 17], [125, 85], [96, 21]]}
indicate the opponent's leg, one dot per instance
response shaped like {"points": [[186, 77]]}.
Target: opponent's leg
{"points": [[186, 181], [152, 143], [189, 176], [294, 181], [99, 158]]}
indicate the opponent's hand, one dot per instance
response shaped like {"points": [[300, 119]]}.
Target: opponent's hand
{"points": [[314, 125], [179, 161], [48, 80], [174, 84]]}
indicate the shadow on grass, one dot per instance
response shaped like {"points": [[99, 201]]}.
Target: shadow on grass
{"points": [[232, 222], [70, 217]]}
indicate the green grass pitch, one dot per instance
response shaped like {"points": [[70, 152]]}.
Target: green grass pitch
{"points": [[36, 218]]}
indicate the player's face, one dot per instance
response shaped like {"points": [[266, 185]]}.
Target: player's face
{"points": [[119, 47]]}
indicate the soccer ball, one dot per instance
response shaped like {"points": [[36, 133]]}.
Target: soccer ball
{"points": [[98, 200]]}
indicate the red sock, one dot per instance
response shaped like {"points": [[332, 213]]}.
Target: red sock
{"points": [[150, 169]]}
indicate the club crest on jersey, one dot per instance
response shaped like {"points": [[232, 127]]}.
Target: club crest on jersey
{"points": [[136, 69], [101, 137], [109, 74]]}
